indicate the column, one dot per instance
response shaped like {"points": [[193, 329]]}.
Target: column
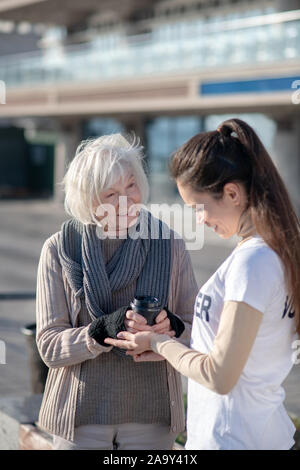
{"points": [[286, 155], [68, 138]]}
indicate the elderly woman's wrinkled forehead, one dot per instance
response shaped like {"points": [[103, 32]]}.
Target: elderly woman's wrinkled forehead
{"points": [[115, 171], [119, 174]]}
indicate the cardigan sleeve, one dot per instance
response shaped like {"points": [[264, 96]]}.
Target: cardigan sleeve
{"points": [[219, 370], [184, 288], [59, 343]]}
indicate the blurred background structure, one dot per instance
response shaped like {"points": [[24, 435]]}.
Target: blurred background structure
{"points": [[164, 69]]}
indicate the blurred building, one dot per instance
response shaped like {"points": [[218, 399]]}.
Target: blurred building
{"points": [[165, 69]]}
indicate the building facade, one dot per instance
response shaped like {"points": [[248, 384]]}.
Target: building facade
{"points": [[162, 69]]}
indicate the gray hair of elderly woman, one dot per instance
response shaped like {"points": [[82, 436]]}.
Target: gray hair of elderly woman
{"points": [[98, 164]]}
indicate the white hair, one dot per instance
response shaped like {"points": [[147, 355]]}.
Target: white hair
{"points": [[98, 164]]}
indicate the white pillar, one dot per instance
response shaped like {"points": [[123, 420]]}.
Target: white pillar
{"points": [[286, 155], [67, 142]]}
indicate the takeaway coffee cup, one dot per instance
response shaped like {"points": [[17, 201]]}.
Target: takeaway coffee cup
{"points": [[147, 306]]}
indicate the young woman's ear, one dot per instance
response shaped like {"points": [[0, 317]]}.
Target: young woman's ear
{"points": [[233, 191]]}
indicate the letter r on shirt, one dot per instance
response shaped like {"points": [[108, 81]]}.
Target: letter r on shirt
{"points": [[203, 306]]}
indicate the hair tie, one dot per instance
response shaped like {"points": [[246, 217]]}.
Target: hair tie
{"points": [[224, 130]]}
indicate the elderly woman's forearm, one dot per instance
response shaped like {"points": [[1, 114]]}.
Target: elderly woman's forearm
{"points": [[62, 347]]}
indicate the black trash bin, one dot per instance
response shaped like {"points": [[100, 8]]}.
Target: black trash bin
{"points": [[38, 369]]}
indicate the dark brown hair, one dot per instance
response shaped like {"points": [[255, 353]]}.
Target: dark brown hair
{"points": [[234, 153]]}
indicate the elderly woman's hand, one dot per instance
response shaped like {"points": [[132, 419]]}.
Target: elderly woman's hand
{"points": [[135, 322], [162, 323]]}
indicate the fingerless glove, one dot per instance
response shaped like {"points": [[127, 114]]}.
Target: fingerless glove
{"points": [[176, 323], [108, 325]]}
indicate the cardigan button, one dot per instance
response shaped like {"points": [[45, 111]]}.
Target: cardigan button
{"points": [[172, 403], [174, 428]]}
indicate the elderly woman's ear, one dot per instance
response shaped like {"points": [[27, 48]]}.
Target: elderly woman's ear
{"points": [[108, 325]]}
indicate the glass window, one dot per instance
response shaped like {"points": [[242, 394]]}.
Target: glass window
{"points": [[165, 134], [101, 126]]}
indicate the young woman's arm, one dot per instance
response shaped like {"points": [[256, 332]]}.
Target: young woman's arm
{"points": [[221, 368], [59, 343]]}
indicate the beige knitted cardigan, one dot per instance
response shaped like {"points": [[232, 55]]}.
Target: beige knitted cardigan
{"points": [[63, 345]]}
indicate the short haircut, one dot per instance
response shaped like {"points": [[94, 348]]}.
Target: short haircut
{"points": [[98, 164]]}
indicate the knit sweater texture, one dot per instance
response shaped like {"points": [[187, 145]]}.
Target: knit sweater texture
{"points": [[75, 359], [122, 399]]}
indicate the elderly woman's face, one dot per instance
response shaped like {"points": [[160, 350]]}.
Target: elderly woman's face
{"points": [[120, 204]]}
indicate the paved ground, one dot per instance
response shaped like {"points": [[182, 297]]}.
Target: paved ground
{"points": [[24, 227]]}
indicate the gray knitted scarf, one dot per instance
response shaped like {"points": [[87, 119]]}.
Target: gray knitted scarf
{"points": [[145, 260]]}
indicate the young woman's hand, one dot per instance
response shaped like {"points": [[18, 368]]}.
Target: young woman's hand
{"points": [[135, 343]]}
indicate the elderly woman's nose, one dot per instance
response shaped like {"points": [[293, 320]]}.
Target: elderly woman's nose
{"points": [[123, 204]]}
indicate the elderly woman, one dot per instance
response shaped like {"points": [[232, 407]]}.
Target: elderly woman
{"points": [[89, 272]]}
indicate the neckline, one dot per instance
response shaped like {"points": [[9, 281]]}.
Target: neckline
{"points": [[241, 243]]}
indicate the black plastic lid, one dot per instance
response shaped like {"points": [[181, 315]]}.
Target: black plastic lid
{"points": [[146, 301]]}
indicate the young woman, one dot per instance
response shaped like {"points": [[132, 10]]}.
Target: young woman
{"points": [[89, 272], [246, 316]]}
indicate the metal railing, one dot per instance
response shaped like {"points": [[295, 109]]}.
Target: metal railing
{"points": [[196, 45]]}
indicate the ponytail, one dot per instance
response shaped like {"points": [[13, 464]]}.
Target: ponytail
{"points": [[234, 152]]}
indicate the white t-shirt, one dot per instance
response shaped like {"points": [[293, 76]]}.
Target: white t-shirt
{"points": [[251, 415]]}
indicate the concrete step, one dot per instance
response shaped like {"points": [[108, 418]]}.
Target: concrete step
{"points": [[31, 437], [16, 411]]}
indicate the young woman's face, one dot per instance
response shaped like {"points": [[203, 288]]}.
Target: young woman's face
{"points": [[221, 215], [120, 200]]}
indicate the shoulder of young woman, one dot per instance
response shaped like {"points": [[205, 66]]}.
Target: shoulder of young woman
{"points": [[258, 258]]}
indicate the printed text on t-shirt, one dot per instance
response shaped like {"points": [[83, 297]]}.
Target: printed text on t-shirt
{"points": [[203, 305], [288, 308]]}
